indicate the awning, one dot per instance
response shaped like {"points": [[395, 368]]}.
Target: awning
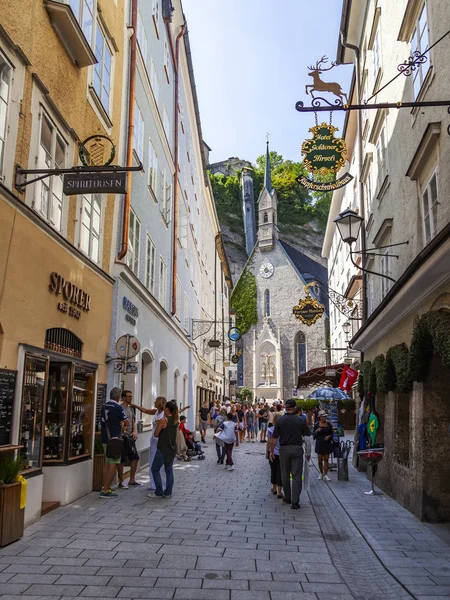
{"points": [[329, 375]]}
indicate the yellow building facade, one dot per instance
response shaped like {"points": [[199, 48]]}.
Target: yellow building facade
{"points": [[62, 68]]}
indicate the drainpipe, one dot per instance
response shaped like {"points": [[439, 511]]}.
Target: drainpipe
{"points": [[175, 159], [130, 133], [362, 210]]}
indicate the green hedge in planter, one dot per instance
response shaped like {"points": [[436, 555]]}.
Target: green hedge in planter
{"points": [[364, 375], [397, 369], [10, 467], [431, 336]]}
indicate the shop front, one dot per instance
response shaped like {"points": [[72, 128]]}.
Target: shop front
{"points": [[54, 336]]}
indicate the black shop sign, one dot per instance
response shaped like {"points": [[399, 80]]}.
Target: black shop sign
{"points": [[94, 183]]}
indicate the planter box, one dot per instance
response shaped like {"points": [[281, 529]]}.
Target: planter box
{"points": [[11, 516], [97, 474]]}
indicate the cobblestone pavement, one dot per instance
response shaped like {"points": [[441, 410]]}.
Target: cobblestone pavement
{"points": [[223, 536]]}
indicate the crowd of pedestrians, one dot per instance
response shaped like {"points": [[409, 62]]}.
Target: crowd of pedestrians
{"points": [[284, 430]]}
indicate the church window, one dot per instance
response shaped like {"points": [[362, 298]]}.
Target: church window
{"points": [[266, 217], [267, 303], [300, 352]]}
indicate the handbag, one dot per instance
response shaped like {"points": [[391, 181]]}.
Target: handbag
{"points": [[218, 438]]}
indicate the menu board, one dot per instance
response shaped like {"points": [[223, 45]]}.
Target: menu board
{"points": [[102, 389], [7, 391]]}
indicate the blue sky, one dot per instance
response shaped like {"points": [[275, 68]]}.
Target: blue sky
{"points": [[250, 62]]}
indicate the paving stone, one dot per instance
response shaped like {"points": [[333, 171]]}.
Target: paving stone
{"points": [[132, 581], [243, 595], [292, 596], [193, 551], [4, 577], [83, 580], [218, 594], [178, 582], [72, 570], [33, 578], [14, 588], [276, 586], [99, 591], [41, 589], [226, 584], [20, 568], [226, 564], [144, 592]]}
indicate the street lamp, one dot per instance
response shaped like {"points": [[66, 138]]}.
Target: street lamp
{"points": [[346, 327], [349, 225]]}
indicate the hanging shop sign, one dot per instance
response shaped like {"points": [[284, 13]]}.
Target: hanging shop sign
{"points": [[234, 334], [309, 310], [348, 378], [235, 359], [94, 183], [127, 346], [324, 155]]}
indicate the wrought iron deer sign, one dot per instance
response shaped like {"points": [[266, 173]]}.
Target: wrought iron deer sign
{"points": [[324, 86]]}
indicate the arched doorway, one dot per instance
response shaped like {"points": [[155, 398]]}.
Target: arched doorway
{"points": [[176, 384], [185, 390], [163, 372]]}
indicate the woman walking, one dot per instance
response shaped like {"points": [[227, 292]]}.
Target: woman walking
{"points": [[323, 434], [229, 436], [166, 434], [221, 418], [275, 468], [250, 423]]}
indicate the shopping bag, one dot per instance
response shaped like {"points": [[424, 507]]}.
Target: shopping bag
{"points": [[218, 438]]}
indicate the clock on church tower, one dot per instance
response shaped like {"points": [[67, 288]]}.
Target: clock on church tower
{"points": [[266, 270]]}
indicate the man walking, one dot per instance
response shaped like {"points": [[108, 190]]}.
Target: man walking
{"points": [[204, 420], [130, 456], [291, 430], [112, 421]]}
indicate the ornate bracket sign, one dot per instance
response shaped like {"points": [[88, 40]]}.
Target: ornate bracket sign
{"points": [[324, 154], [309, 310]]}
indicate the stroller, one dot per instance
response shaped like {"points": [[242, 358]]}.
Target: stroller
{"points": [[193, 448]]}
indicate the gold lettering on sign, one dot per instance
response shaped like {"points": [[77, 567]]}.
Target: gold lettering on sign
{"points": [[72, 293]]}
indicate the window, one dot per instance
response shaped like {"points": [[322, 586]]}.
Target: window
{"points": [[161, 186], [183, 223], [155, 14], [166, 203], [300, 351], [385, 270], [162, 283], [370, 296], [186, 313], [376, 56], [90, 224], [5, 85], [154, 82], [102, 70], [142, 38], [430, 208], [133, 243], [381, 158], [84, 13], [166, 58], [152, 167], [266, 217], [138, 132], [178, 299], [267, 303], [51, 155], [150, 265], [420, 42], [368, 192], [166, 123]]}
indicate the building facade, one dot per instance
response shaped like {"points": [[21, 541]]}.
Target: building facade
{"points": [[277, 348], [402, 192], [172, 287], [61, 68]]}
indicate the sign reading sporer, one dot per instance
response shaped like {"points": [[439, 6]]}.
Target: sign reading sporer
{"points": [[94, 183]]}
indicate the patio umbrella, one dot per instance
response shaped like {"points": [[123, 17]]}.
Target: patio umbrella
{"points": [[328, 393]]}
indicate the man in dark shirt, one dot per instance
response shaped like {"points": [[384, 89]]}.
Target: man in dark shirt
{"points": [[291, 430], [112, 421], [263, 417]]}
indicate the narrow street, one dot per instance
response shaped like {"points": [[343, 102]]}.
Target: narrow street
{"points": [[223, 536]]}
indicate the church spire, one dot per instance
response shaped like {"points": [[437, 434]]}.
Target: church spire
{"points": [[267, 174]]}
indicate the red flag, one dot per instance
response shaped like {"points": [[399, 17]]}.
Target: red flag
{"points": [[348, 378]]}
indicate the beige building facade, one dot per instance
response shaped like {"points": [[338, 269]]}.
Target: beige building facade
{"points": [[61, 67], [402, 191]]}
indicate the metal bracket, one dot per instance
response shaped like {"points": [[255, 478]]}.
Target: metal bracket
{"points": [[338, 106], [20, 179]]}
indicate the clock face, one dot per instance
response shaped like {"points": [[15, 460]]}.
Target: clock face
{"points": [[266, 270]]}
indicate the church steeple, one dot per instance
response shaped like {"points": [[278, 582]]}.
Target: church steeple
{"points": [[267, 210], [267, 173]]}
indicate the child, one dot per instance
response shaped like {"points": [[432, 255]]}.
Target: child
{"points": [[229, 436], [189, 436]]}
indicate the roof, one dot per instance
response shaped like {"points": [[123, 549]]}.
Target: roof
{"points": [[321, 376], [308, 268]]}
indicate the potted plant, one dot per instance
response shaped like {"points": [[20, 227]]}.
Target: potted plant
{"points": [[11, 515], [99, 464]]}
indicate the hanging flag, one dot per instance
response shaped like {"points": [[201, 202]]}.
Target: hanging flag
{"points": [[372, 427], [348, 378]]}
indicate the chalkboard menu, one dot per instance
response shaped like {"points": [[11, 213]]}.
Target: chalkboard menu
{"points": [[7, 390], [101, 400]]}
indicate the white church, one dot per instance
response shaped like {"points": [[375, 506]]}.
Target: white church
{"points": [[279, 347]]}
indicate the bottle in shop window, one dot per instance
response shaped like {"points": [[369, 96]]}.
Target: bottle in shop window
{"points": [[61, 430], [60, 451], [24, 451], [47, 452], [26, 429]]}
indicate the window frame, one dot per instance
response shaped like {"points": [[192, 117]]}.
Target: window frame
{"points": [[385, 269], [89, 198], [166, 124], [49, 184], [154, 82], [167, 58], [7, 112], [382, 157], [435, 204], [141, 37], [162, 289], [186, 313], [79, 15], [150, 264], [156, 13], [133, 255], [421, 71], [166, 200], [377, 63], [139, 132], [108, 45], [266, 303], [178, 299], [152, 169]]}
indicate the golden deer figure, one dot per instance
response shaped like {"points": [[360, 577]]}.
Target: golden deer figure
{"points": [[324, 86]]}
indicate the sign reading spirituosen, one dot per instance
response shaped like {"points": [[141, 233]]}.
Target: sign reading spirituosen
{"points": [[324, 155]]}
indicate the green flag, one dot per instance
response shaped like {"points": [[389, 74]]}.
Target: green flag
{"points": [[372, 427]]}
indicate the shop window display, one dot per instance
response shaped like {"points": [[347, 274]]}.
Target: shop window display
{"points": [[34, 394]]}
